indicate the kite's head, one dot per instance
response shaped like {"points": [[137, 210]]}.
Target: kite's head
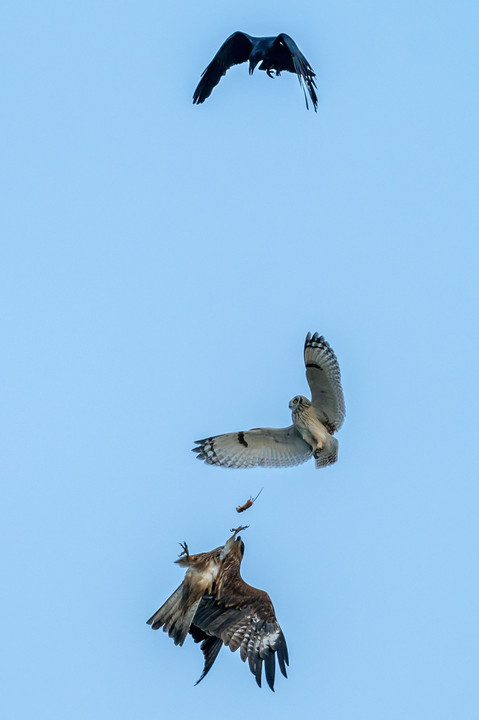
{"points": [[234, 544], [240, 546]]}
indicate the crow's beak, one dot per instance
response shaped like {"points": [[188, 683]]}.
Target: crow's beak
{"points": [[252, 64]]}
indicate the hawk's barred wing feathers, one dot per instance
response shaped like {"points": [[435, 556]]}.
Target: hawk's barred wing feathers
{"points": [[265, 447], [324, 380]]}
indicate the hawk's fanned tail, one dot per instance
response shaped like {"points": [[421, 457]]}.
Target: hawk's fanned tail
{"points": [[328, 454]]}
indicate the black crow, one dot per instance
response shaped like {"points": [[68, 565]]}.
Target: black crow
{"points": [[274, 53]]}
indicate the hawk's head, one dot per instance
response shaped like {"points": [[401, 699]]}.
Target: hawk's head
{"points": [[299, 401]]}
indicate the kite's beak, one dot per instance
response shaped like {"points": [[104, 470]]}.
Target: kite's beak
{"points": [[239, 529], [232, 541]]}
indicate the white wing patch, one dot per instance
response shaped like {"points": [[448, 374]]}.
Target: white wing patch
{"points": [[260, 641]]}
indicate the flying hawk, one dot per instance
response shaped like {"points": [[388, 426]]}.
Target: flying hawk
{"points": [[311, 434], [275, 55], [217, 607]]}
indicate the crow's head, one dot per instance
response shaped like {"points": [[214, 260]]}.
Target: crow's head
{"points": [[254, 59]]}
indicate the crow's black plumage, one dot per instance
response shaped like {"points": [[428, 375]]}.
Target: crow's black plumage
{"points": [[272, 54]]}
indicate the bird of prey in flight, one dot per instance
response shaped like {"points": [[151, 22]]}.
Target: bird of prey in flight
{"points": [[311, 434], [274, 54], [217, 607]]}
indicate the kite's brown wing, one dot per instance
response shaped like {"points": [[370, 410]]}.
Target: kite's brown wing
{"points": [[176, 614], [244, 620]]}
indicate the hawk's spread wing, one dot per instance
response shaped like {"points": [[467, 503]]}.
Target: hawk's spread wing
{"points": [[247, 622], [265, 447], [298, 64], [235, 50], [324, 379]]}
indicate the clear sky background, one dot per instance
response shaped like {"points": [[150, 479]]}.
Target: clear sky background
{"points": [[161, 265]]}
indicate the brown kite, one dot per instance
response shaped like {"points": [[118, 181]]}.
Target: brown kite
{"points": [[216, 606]]}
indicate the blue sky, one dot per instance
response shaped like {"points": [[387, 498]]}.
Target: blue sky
{"points": [[161, 266]]}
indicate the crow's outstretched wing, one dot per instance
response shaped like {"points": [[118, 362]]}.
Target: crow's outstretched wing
{"points": [[299, 65], [235, 50], [265, 447]]}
